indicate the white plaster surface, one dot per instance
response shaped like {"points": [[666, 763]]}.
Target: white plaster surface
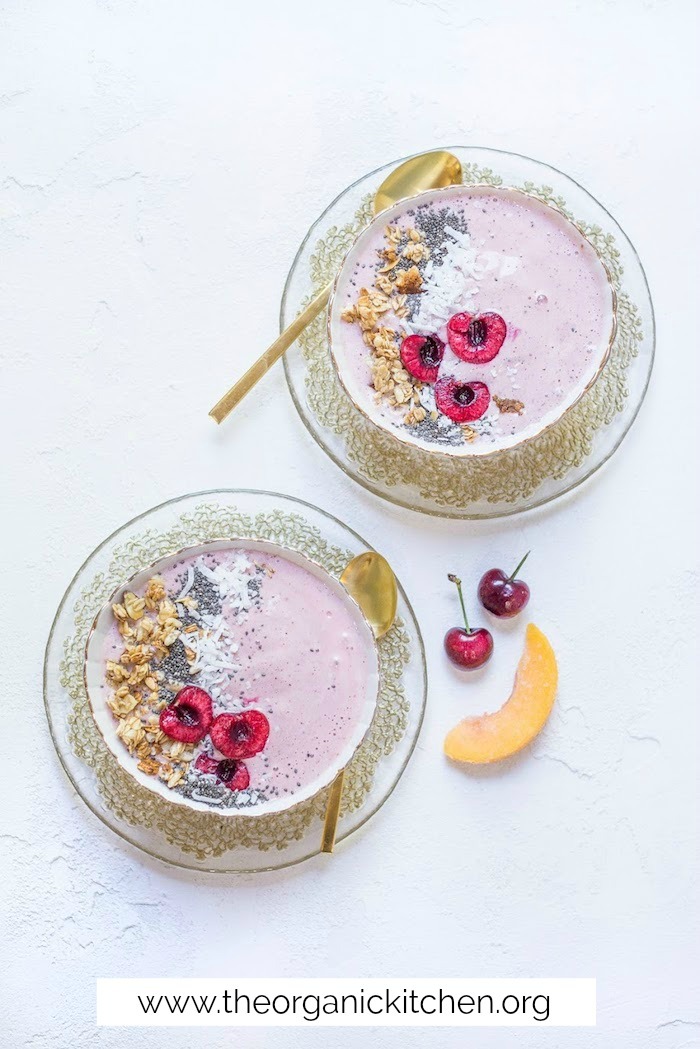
{"points": [[159, 164]]}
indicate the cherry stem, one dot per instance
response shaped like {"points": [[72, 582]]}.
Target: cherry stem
{"points": [[458, 584], [520, 565]]}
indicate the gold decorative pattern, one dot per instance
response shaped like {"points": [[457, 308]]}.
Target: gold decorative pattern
{"points": [[503, 477], [205, 834]]}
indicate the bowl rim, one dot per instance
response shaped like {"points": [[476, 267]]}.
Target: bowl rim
{"points": [[126, 760], [468, 451]]}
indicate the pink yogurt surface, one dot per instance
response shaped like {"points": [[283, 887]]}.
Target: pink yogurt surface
{"points": [[539, 273], [305, 656]]}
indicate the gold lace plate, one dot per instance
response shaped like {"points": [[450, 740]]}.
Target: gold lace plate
{"points": [[538, 470], [209, 840]]}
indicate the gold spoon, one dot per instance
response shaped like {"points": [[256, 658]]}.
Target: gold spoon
{"points": [[426, 171], [368, 579]]}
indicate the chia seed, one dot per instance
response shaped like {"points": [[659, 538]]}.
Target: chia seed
{"points": [[206, 788], [431, 223], [175, 665], [255, 585], [430, 430], [205, 594]]}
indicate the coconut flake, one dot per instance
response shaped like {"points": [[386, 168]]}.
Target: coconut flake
{"points": [[188, 583], [451, 287]]}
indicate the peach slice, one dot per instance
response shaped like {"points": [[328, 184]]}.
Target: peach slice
{"points": [[491, 737]]}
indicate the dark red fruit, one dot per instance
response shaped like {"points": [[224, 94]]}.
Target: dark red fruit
{"points": [[240, 735], [421, 356], [207, 764], [463, 402], [233, 773], [188, 718], [476, 337], [468, 649], [504, 596]]}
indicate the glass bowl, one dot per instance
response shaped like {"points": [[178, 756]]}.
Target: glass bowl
{"points": [[535, 472], [209, 841]]}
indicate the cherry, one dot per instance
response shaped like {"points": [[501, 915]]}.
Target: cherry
{"points": [[421, 356], [468, 649], [240, 735], [504, 596], [476, 337], [188, 718], [463, 402]]}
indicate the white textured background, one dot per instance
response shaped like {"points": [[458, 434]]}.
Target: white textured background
{"points": [[159, 164]]}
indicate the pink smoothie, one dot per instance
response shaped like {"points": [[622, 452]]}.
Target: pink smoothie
{"points": [[276, 636], [490, 251]]}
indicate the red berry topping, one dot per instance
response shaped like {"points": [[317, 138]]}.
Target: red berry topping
{"points": [[421, 356], [476, 337], [463, 402], [207, 764], [230, 772], [240, 735], [233, 774], [188, 718]]}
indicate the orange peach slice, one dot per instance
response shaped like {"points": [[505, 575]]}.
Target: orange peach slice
{"points": [[491, 737]]}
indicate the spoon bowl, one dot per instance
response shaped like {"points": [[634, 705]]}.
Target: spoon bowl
{"points": [[426, 171], [370, 581]]}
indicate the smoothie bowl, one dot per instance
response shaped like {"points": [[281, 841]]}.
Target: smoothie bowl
{"points": [[465, 321], [235, 676]]}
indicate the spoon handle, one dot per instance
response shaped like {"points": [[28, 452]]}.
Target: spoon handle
{"points": [[332, 811], [271, 355]]}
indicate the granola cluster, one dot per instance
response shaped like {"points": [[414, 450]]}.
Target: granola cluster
{"points": [[507, 405], [149, 626], [396, 279]]}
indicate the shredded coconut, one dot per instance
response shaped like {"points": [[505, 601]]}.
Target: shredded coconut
{"points": [[450, 287], [213, 647], [188, 584]]}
